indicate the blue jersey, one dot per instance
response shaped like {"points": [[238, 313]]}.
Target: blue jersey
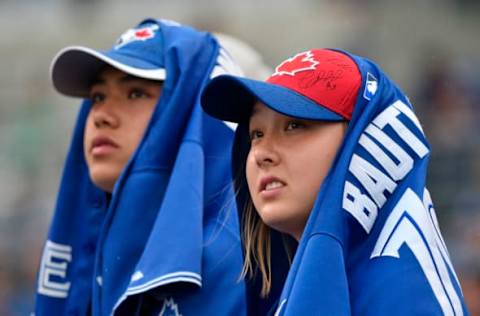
{"points": [[372, 244], [166, 242]]}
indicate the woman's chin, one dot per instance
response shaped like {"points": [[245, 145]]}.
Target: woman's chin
{"points": [[104, 181]]}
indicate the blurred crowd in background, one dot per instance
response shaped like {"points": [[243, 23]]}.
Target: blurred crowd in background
{"points": [[430, 48]]}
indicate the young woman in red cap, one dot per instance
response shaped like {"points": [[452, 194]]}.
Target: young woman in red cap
{"points": [[328, 151]]}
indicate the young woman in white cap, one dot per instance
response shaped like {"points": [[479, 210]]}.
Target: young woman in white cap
{"points": [[139, 226], [329, 152]]}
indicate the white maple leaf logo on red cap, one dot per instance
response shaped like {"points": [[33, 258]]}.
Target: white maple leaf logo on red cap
{"points": [[300, 62]]}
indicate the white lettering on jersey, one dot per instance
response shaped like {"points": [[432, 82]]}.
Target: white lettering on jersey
{"points": [[360, 206], [396, 171], [411, 224], [390, 117], [394, 160], [427, 202], [372, 179], [169, 308], [53, 270]]}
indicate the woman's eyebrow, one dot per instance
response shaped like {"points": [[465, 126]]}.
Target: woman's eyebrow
{"points": [[124, 79], [130, 78], [97, 81], [252, 116], [255, 110]]}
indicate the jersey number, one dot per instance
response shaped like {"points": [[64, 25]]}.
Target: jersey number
{"points": [[413, 222]]}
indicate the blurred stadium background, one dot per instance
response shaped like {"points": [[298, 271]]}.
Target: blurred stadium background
{"points": [[431, 48]]}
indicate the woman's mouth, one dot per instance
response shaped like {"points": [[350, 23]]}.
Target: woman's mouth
{"points": [[270, 187], [273, 185], [102, 145]]}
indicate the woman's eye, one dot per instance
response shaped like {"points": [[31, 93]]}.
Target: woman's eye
{"points": [[97, 97], [135, 94], [293, 125], [255, 134]]}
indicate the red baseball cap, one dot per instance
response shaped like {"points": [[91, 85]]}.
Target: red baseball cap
{"points": [[318, 84]]}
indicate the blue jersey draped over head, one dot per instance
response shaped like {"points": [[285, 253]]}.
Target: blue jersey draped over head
{"points": [[165, 244], [372, 244]]}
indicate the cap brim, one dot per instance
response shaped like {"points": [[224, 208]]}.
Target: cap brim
{"points": [[231, 98], [74, 69]]}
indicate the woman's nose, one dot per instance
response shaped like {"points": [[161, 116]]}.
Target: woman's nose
{"points": [[104, 115], [266, 153]]}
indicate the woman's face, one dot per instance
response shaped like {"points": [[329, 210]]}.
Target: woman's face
{"points": [[287, 163], [122, 106]]}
